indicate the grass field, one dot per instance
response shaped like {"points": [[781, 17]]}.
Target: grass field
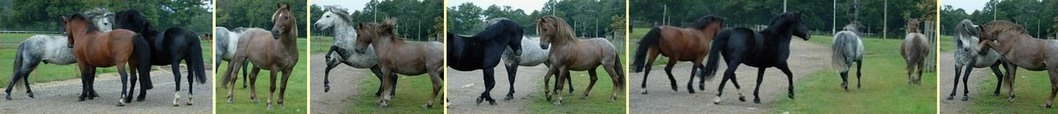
{"points": [[9, 47], [885, 88], [412, 91], [1032, 89], [296, 100]]}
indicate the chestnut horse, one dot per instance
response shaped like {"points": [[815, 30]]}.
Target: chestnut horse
{"points": [[914, 50], [275, 51], [1021, 50], [570, 53], [679, 44], [93, 48], [398, 57]]}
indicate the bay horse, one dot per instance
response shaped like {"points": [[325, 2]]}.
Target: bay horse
{"points": [[169, 47], [483, 51], [846, 49], [341, 51], [767, 48], [93, 48], [227, 40], [570, 53], [275, 51], [49, 49], [967, 58], [395, 56], [914, 50], [679, 44], [1019, 49]]}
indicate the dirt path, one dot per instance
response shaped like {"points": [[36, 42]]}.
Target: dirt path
{"points": [[806, 58], [344, 86], [61, 96], [464, 88], [947, 68]]}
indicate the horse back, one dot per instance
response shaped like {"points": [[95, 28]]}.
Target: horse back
{"points": [[683, 44], [587, 53]]}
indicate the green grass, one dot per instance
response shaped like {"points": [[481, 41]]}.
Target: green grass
{"points": [[411, 93], [1032, 89], [9, 47], [296, 100], [946, 43], [321, 44], [597, 101], [885, 88]]}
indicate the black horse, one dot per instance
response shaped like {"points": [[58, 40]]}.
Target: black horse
{"points": [[764, 49], [168, 47], [483, 51]]}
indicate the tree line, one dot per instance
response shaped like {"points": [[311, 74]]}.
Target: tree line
{"points": [[416, 19], [1038, 17], [44, 15], [588, 18], [258, 13], [818, 15]]}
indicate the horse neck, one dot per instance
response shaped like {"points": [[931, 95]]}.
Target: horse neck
{"points": [[383, 43], [342, 35], [562, 40]]}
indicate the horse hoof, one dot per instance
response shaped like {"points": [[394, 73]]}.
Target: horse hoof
{"points": [[965, 98], [716, 100], [701, 86], [742, 98], [558, 103], [509, 97], [326, 88], [270, 107], [9, 97], [756, 100], [643, 91], [426, 106], [479, 100], [1046, 105], [31, 95], [492, 102], [950, 98], [78, 98]]}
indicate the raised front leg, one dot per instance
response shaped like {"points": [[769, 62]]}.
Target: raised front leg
{"points": [[331, 63]]}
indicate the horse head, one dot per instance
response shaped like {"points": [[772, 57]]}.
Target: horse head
{"points": [[966, 35], [283, 21], [101, 18], [331, 17], [552, 28], [75, 25], [790, 23], [507, 32], [990, 33], [709, 24], [912, 25], [368, 33]]}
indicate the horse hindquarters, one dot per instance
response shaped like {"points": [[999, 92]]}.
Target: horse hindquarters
{"points": [[23, 66]]}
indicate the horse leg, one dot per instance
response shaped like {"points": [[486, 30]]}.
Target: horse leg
{"points": [[965, 78], [253, 84], [490, 82], [760, 78], [272, 74], [562, 71], [668, 71], [729, 74], [327, 73], [859, 72], [921, 66], [616, 79], [84, 81], [1011, 72], [844, 77], [646, 72], [512, 71], [999, 76], [126, 94], [594, 76], [569, 81], [552, 70], [958, 73], [789, 78], [383, 101], [690, 81], [190, 83], [176, 79], [245, 64], [283, 86], [374, 69], [91, 85], [435, 77]]}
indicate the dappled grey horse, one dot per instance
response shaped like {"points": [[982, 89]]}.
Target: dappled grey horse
{"points": [[967, 57], [847, 48]]}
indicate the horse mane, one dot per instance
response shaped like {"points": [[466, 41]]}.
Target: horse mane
{"points": [[995, 27], [780, 20], [704, 21], [82, 17], [563, 31], [386, 28], [341, 14], [966, 27], [498, 27]]}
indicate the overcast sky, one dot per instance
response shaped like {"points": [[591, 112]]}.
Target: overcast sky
{"points": [[526, 5], [969, 5]]}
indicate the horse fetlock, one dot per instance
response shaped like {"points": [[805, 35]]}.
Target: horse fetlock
{"points": [[717, 100], [327, 88], [965, 98], [189, 101], [756, 100]]}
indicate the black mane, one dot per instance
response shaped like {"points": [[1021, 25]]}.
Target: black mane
{"points": [[704, 21]]}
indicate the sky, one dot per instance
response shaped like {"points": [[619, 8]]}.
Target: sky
{"points": [[969, 5], [527, 5], [351, 5]]}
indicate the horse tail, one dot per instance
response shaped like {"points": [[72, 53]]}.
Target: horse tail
{"points": [[20, 84], [719, 44], [839, 47], [196, 64], [651, 39], [142, 52], [620, 71]]}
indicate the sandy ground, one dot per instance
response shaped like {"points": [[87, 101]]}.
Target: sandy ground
{"points": [[947, 69], [465, 86], [344, 87], [806, 58], [61, 96]]}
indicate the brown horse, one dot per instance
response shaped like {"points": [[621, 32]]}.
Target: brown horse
{"points": [[570, 53], [1021, 50], [275, 51], [914, 50], [118, 48], [679, 44], [397, 56]]}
